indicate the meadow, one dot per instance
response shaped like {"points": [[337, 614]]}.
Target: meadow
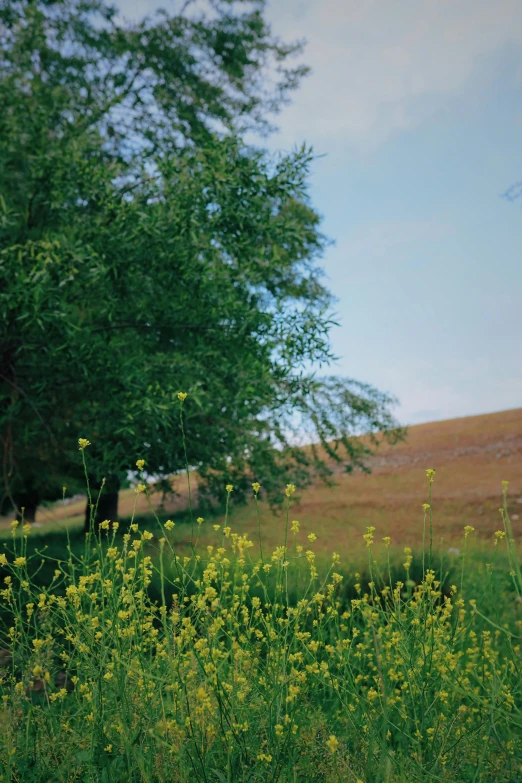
{"points": [[367, 632]]}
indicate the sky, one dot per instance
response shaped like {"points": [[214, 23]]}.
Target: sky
{"points": [[414, 111]]}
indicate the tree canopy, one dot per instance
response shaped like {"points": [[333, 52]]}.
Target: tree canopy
{"points": [[146, 249]]}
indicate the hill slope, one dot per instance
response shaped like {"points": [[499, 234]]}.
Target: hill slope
{"points": [[471, 457]]}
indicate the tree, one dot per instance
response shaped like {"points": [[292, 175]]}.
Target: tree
{"points": [[145, 249]]}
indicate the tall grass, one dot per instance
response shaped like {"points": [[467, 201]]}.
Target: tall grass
{"points": [[257, 668]]}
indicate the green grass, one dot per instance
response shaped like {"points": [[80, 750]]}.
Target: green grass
{"points": [[214, 662]]}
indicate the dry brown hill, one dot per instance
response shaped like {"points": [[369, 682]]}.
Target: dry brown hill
{"points": [[471, 456]]}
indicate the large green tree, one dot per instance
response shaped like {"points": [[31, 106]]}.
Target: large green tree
{"points": [[145, 249]]}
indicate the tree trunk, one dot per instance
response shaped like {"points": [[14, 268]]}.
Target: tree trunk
{"points": [[26, 505], [107, 504]]}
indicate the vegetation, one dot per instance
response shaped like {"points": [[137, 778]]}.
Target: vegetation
{"points": [[136, 661], [145, 248]]}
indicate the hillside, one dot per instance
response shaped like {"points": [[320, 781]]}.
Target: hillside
{"points": [[471, 456]]}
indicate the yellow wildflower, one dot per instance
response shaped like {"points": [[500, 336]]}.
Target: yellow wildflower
{"points": [[83, 443], [140, 488], [169, 524], [256, 486], [290, 489], [140, 464], [333, 743], [200, 520], [20, 561], [229, 487], [3, 559], [467, 530], [430, 474], [368, 537], [182, 396]]}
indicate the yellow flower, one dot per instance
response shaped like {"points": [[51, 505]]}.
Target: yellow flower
{"points": [[169, 524], [430, 474], [112, 552], [105, 525], [61, 694], [3, 559], [505, 484], [182, 396], [216, 527], [108, 676], [140, 488], [312, 537], [140, 464], [27, 529], [14, 524], [368, 537], [425, 506], [467, 530], [200, 520], [333, 743], [108, 748], [147, 535], [229, 487], [83, 443], [256, 486], [387, 540], [290, 489], [294, 526], [20, 561]]}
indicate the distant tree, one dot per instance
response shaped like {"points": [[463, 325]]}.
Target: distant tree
{"points": [[145, 249]]}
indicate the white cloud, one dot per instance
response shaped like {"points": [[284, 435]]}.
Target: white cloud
{"points": [[373, 60], [377, 65]]}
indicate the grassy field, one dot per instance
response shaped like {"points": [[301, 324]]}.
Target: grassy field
{"points": [[471, 456], [154, 652]]}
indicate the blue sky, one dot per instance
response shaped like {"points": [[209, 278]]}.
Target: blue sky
{"points": [[415, 108]]}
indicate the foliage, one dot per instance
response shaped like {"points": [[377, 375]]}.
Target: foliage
{"points": [[251, 669], [144, 249]]}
